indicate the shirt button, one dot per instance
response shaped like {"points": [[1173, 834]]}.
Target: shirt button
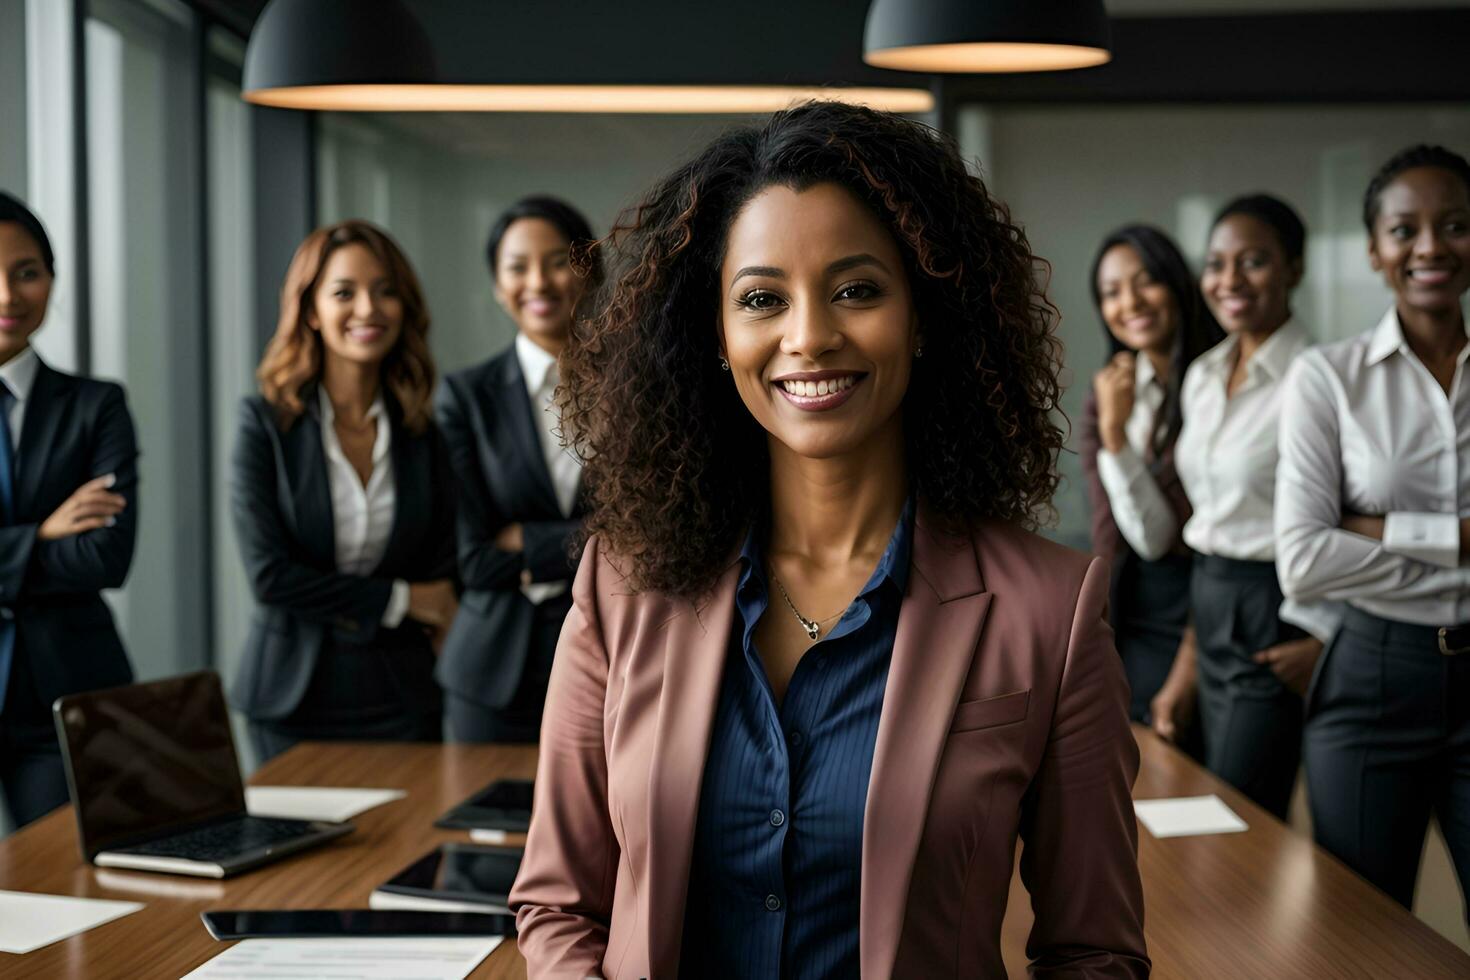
{"points": [[777, 818], [773, 904], [794, 737]]}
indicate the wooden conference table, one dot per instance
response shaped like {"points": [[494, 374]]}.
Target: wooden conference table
{"points": [[1264, 903]]}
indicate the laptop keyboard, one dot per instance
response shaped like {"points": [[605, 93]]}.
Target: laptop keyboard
{"points": [[222, 840]]}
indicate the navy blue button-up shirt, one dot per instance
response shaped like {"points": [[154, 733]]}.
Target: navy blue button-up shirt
{"points": [[776, 872]]}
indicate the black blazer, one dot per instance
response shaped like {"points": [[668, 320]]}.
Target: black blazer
{"points": [[282, 503], [485, 415], [75, 429]]}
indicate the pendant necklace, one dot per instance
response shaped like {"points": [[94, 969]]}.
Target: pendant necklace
{"points": [[813, 627]]}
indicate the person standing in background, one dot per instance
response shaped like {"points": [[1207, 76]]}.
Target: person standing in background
{"points": [[519, 512], [1373, 507], [343, 504], [68, 523], [1255, 652], [1156, 324]]}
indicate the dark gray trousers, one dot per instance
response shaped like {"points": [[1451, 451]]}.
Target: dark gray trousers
{"points": [[1252, 722], [1387, 744], [32, 777]]}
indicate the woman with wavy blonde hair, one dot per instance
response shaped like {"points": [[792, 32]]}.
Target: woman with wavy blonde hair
{"points": [[342, 504]]}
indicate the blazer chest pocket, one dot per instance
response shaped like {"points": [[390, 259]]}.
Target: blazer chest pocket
{"points": [[1006, 709]]}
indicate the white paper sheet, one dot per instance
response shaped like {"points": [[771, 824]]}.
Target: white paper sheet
{"points": [[29, 920], [349, 959], [316, 802], [485, 835], [1187, 816]]}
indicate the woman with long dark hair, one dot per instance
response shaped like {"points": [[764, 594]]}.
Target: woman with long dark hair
{"points": [[819, 675], [343, 504], [519, 506], [68, 522], [1156, 324], [1373, 508]]}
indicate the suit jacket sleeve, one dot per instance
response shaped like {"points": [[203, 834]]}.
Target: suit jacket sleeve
{"points": [[1080, 860], [94, 560], [482, 566], [548, 548], [1107, 541], [563, 898], [351, 604]]}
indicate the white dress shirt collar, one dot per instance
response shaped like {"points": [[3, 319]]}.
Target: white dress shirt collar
{"points": [[377, 412], [1143, 371], [1388, 338], [537, 363], [1273, 357], [19, 373]]}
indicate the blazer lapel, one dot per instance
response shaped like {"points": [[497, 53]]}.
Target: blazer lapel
{"points": [[939, 627], [694, 659], [311, 491], [515, 403], [44, 417]]}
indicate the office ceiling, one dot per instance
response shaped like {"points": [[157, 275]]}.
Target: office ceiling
{"points": [[240, 14]]}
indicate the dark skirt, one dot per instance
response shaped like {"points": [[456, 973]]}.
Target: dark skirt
{"points": [[379, 691], [1151, 609], [1252, 722]]}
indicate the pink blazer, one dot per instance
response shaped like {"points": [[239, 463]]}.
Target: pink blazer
{"points": [[1005, 716]]}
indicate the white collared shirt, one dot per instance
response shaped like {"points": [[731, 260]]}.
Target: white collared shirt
{"points": [[362, 516], [1226, 453], [1140, 509], [538, 367], [1226, 457], [1366, 429], [19, 375]]}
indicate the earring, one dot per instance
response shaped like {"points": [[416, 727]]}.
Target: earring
{"points": [[918, 352], [724, 364]]}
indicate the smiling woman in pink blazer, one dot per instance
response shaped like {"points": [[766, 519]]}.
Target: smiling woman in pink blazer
{"points": [[820, 678]]}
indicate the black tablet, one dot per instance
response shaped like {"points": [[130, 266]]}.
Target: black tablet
{"points": [[323, 923], [503, 805], [461, 875]]}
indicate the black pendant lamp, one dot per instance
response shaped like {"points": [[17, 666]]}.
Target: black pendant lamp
{"points": [[560, 56], [336, 54], [986, 35]]}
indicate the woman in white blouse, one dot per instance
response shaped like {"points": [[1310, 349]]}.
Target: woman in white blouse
{"points": [[1373, 507], [1156, 325], [1255, 658], [342, 498]]}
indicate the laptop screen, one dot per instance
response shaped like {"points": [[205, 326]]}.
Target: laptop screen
{"points": [[149, 759]]}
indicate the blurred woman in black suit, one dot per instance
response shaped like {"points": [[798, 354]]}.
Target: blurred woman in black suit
{"points": [[342, 504], [519, 512], [68, 520]]}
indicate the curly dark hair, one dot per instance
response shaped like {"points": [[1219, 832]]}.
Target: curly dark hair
{"points": [[677, 469], [1422, 155]]}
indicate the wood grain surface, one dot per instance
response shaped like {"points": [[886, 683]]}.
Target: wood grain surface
{"points": [[1264, 903]]}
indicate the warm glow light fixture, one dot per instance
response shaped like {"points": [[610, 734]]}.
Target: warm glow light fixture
{"points": [[375, 55], [986, 35]]}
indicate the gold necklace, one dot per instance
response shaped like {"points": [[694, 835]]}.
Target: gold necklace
{"points": [[813, 627]]}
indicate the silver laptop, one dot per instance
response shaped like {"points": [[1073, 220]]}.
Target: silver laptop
{"points": [[156, 786]]}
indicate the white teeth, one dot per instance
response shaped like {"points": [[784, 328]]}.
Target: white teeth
{"points": [[816, 389]]}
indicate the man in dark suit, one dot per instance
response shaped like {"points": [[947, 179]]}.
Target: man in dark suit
{"points": [[68, 522]]}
